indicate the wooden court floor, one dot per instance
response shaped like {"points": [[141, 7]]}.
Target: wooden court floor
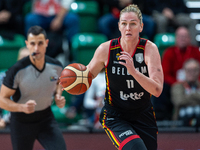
{"points": [[100, 141]]}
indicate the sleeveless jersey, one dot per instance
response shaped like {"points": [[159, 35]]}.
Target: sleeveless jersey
{"points": [[123, 92]]}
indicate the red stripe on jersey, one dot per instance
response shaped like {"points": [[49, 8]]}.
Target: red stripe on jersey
{"points": [[114, 45], [109, 54], [142, 46], [124, 142]]}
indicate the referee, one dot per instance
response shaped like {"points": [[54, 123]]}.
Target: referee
{"points": [[32, 82]]}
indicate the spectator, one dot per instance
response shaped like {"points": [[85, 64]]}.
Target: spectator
{"points": [[54, 16], [5, 117], [88, 105], [23, 52], [11, 17], [2, 121], [172, 62], [75, 106], [186, 95], [78, 113], [169, 14], [108, 23], [93, 99]]}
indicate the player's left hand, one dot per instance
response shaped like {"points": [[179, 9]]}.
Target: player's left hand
{"points": [[60, 101], [128, 62]]}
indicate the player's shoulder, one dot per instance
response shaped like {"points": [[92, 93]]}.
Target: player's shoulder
{"points": [[53, 61], [151, 50], [150, 44], [103, 48], [108, 44], [105, 45]]}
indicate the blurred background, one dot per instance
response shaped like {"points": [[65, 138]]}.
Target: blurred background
{"points": [[173, 25]]}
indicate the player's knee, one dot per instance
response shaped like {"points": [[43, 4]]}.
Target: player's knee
{"points": [[136, 144]]}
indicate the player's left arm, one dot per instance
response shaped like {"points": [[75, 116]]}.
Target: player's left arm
{"points": [[154, 83], [59, 99], [153, 61]]}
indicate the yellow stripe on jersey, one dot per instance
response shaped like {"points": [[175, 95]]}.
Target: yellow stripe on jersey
{"points": [[108, 88], [112, 138], [115, 48], [109, 132], [141, 48]]}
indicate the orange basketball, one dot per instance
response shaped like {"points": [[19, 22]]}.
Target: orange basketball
{"points": [[76, 78]]}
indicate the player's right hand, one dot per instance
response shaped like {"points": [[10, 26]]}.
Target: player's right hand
{"points": [[29, 107]]}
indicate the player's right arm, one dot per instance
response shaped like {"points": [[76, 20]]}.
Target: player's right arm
{"points": [[7, 104], [99, 59]]}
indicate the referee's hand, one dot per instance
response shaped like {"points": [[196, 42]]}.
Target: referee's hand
{"points": [[29, 107], [60, 100]]}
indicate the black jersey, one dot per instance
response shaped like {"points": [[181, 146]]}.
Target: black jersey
{"points": [[123, 92]]}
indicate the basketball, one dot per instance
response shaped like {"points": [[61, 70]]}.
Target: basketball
{"points": [[76, 78]]}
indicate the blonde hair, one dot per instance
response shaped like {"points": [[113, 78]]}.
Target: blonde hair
{"points": [[132, 8]]}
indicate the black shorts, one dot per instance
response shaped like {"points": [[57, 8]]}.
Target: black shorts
{"points": [[130, 131], [41, 125]]}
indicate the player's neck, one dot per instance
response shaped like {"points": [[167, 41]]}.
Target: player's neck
{"points": [[129, 46]]}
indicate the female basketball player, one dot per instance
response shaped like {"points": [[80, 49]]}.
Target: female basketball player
{"points": [[133, 73]]}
